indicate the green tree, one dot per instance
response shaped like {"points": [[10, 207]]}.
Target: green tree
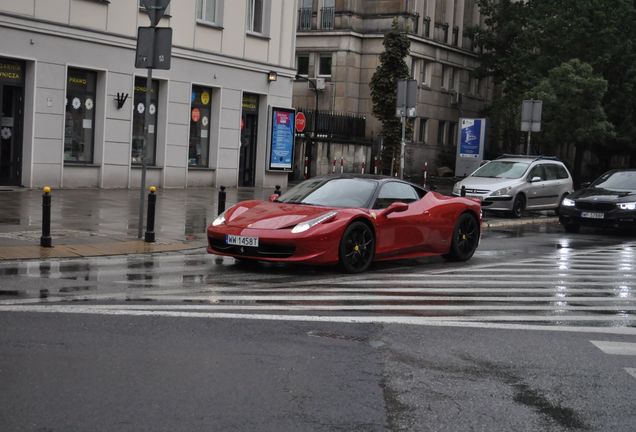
{"points": [[523, 41], [573, 118], [392, 67]]}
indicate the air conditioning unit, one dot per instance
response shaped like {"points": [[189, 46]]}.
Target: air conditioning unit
{"points": [[320, 83]]}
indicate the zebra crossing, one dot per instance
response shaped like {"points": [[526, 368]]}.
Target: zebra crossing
{"points": [[589, 290]]}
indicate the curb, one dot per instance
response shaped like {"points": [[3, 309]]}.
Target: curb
{"points": [[527, 221]]}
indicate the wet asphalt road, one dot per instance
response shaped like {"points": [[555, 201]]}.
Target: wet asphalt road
{"points": [[516, 339]]}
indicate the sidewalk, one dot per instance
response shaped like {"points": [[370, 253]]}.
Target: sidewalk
{"points": [[96, 222]]}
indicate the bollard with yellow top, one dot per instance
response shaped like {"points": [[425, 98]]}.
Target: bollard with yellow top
{"points": [[149, 236], [45, 240]]}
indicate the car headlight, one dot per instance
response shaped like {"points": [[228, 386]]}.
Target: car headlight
{"points": [[567, 202], [304, 226], [456, 188], [627, 206], [220, 220], [502, 191]]}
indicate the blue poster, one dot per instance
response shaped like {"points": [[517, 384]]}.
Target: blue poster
{"points": [[281, 154], [470, 138]]}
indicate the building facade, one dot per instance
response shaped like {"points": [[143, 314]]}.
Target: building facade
{"points": [[74, 105], [338, 47]]}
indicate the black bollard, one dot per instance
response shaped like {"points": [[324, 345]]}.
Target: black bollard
{"points": [[45, 240], [463, 192], [277, 190], [221, 200], [149, 236]]}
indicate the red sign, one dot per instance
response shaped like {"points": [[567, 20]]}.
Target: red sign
{"points": [[196, 115], [301, 121]]}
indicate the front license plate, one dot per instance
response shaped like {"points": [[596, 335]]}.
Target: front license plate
{"points": [[241, 240], [593, 215]]}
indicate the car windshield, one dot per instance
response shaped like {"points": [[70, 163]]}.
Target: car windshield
{"points": [[617, 181], [502, 169], [337, 192]]}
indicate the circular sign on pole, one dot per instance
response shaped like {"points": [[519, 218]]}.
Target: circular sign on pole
{"points": [[196, 115], [301, 122]]}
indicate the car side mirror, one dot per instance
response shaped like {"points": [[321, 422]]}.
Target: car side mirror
{"points": [[586, 184], [396, 207], [273, 197], [535, 179]]}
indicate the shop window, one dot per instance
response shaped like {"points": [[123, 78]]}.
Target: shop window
{"points": [[200, 111], [139, 122], [79, 122]]}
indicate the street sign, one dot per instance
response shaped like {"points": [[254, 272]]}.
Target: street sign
{"points": [[531, 115], [155, 9], [406, 94], [154, 47], [301, 121]]}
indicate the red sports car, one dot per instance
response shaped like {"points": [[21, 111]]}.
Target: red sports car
{"points": [[352, 220]]}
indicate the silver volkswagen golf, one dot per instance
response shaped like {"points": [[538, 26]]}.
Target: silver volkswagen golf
{"points": [[513, 184]]}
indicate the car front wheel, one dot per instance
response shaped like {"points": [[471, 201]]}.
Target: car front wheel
{"points": [[357, 248], [465, 239], [518, 205]]}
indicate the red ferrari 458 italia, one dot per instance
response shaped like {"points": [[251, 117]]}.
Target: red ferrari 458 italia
{"points": [[351, 220]]}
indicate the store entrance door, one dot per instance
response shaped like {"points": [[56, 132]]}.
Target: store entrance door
{"points": [[11, 120], [249, 127]]}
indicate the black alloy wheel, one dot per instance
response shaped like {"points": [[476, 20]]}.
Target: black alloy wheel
{"points": [[465, 238], [357, 248], [518, 205]]}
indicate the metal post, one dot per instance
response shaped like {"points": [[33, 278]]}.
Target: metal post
{"points": [[402, 146], [150, 224], [463, 191], [375, 165], [221, 200], [277, 190], [425, 173], [341, 164], [528, 145], [333, 168], [45, 240], [363, 166], [306, 167], [144, 147]]}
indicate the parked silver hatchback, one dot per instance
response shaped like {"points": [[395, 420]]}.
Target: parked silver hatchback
{"points": [[516, 183]]}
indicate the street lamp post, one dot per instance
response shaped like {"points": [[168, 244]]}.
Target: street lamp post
{"points": [[315, 120]]}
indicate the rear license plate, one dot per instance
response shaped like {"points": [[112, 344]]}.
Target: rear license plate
{"points": [[241, 240], [593, 215]]}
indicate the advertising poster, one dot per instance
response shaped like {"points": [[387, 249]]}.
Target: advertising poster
{"points": [[469, 143], [282, 139], [471, 139]]}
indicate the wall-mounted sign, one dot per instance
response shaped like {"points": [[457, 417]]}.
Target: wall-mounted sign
{"points": [[281, 154], [11, 72]]}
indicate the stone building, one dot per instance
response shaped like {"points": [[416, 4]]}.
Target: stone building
{"points": [[338, 47], [73, 104]]}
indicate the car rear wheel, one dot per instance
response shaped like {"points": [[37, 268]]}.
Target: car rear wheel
{"points": [[357, 248], [571, 228], [518, 205], [465, 239]]}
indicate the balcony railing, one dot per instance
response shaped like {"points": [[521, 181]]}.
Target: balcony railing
{"points": [[327, 18], [304, 19]]}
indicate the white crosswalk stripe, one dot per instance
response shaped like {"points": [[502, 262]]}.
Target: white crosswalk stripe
{"points": [[583, 290], [618, 349]]}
